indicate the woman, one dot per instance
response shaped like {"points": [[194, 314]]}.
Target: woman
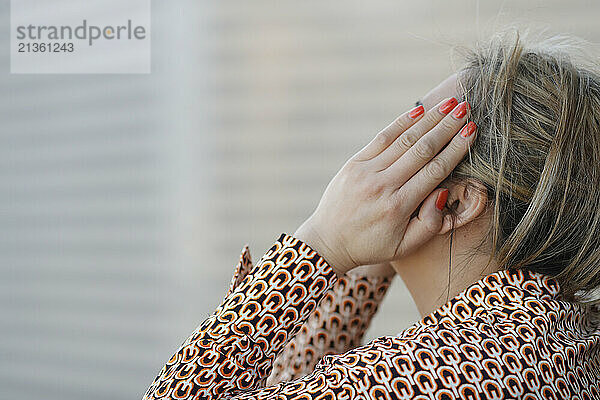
{"points": [[500, 251]]}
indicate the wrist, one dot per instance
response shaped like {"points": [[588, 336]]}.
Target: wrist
{"points": [[308, 234], [383, 270]]}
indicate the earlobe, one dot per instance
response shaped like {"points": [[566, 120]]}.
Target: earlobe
{"points": [[446, 224]]}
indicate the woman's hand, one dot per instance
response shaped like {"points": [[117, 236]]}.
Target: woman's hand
{"points": [[364, 216]]}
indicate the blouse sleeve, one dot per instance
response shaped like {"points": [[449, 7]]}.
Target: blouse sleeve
{"points": [[338, 324], [233, 350]]}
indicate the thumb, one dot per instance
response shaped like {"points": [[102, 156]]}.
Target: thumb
{"points": [[427, 224]]}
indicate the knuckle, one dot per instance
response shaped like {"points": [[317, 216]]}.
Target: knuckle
{"points": [[448, 124], [400, 197], [405, 141], [433, 118], [391, 207], [424, 150], [353, 167], [383, 137], [458, 145], [437, 169], [374, 190], [399, 122]]}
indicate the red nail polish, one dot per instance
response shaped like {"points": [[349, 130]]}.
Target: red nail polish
{"points": [[468, 129], [448, 105], [441, 199], [461, 110], [415, 112]]}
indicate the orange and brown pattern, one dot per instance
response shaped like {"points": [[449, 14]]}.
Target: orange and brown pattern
{"points": [[337, 325], [507, 336]]}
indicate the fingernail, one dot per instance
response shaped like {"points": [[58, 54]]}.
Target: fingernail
{"points": [[415, 112], [448, 105], [468, 129], [461, 110], [441, 199]]}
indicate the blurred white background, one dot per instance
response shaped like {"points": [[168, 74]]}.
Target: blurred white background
{"points": [[125, 199]]}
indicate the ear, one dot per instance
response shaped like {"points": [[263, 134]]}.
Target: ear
{"points": [[468, 199]]}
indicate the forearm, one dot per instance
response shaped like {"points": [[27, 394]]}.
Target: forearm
{"points": [[234, 349], [337, 325]]}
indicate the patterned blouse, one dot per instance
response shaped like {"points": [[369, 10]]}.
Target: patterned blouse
{"points": [[289, 329]]}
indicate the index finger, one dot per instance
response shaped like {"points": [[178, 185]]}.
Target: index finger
{"points": [[390, 133]]}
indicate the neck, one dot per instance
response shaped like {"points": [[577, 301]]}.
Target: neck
{"points": [[425, 272]]}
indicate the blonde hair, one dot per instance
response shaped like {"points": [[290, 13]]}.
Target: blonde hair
{"points": [[537, 109]]}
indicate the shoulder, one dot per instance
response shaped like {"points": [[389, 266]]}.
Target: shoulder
{"points": [[480, 355]]}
